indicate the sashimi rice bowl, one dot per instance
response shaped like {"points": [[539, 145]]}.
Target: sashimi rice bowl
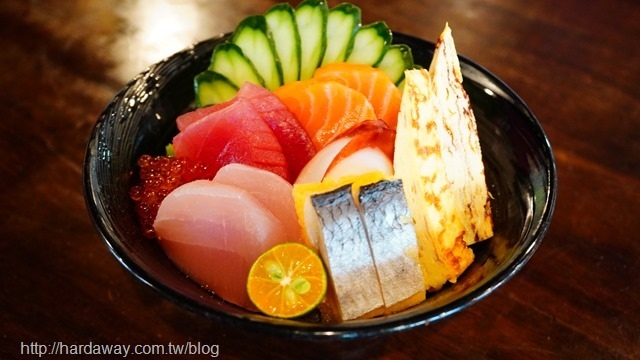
{"points": [[313, 176]]}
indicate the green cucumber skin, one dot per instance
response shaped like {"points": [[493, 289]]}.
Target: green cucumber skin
{"points": [[229, 60], [370, 43], [343, 22], [395, 61], [311, 19], [281, 21], [293, 43], [253, 37], [213, 88]]}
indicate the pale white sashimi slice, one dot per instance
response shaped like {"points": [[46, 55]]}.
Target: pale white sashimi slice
{"points": [[316, 168], [274, 192], [363, 161], [213, 232]]}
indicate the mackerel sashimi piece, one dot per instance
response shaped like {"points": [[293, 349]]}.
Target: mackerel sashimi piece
{"points": [[294, 139], [213, 232], [384, 211], [275, 193], [234, 134], [344, 248]]}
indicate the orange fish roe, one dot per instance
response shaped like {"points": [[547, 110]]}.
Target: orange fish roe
{"points": [[159, 175]]}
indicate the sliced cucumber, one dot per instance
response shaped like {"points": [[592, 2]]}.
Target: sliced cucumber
{"points": [[288, 44], [252, 36], [395, 61], [343, 22], [370, 43], [281, 21], [213, 88], [311, 18], [229, 61]]}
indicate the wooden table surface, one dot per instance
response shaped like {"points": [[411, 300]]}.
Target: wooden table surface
{"points": [[575, 63]]}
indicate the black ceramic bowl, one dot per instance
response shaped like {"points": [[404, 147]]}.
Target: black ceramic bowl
{"points": [[519, 166]]}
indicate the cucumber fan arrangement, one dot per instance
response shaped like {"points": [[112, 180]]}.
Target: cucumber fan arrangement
{"points": [[326, 184], [287, 44]]}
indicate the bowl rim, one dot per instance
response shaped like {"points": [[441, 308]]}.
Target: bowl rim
{"points": [[349, 329]]}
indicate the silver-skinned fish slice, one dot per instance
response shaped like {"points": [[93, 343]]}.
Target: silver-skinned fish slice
{"points": [[344, 248], [393, 242]]}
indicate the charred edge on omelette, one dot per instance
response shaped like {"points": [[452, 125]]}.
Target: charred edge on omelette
{"points": [[439, 159]]}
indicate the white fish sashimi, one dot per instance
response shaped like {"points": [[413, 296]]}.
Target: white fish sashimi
{"points": [[214, 232], [216, 215], [316, 168], [363, 161], [273, 192]]}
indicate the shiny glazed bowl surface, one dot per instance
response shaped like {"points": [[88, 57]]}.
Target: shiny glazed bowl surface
{"points": [[519, 166]]}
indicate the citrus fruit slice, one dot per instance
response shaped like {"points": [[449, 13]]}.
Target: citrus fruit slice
{"points": [[286, 281]]}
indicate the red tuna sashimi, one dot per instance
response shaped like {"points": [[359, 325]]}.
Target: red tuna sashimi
{"points": [[234, 134], [213, 232], [189, 118], [271, 190], [296, 144], [294, 139]]}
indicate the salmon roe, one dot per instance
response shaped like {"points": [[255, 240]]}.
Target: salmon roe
{"points": [[158, 176]]}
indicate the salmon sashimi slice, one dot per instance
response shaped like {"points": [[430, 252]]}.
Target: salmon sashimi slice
{"points": [[325, 109], [213, 232], [374, 83], [234, 134], [273, 192]]}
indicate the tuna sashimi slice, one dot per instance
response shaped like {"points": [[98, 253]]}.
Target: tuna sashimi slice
{"points": [[294, 139], [296, 144], [189, 118], [234, 134], [275, 193], [213, 232]]}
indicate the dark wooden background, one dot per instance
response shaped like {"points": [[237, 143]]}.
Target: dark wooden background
{"points": [[576, 64]]}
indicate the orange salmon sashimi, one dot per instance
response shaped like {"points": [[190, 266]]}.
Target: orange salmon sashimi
{"points": [[374, 83], [325, 109]]}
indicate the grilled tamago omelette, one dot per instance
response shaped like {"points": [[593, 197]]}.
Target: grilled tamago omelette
{"points": [[438, 157]]}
